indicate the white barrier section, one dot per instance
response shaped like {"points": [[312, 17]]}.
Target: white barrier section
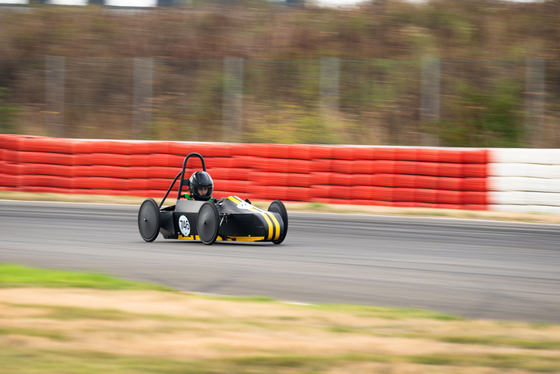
{"points": [[524, 180], [132, 3], [68, 2]]}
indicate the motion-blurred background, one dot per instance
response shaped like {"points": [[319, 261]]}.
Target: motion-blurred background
{"points": [[481, 73]]}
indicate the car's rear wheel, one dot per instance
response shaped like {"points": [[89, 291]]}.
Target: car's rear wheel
{"points": [[148, 220], [277, 206], [208, 223]]}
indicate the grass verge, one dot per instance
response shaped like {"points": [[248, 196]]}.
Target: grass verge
{"points": [[63, 322]]}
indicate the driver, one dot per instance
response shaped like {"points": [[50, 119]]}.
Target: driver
{"points": [[201, 187]]}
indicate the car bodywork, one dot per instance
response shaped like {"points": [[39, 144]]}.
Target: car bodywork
{"points": [[227, 219]]}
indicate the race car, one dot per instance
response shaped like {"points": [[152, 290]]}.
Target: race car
{"points": [[227, 219]]}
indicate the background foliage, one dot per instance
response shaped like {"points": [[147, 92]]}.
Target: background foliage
{"points": [[482, 44]]}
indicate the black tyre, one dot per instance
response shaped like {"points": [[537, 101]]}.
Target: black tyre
{"points": [[148, 220], [208, 223], [278, 207]]}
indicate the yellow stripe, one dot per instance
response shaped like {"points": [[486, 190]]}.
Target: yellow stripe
{"points": [[242, 238], [190, 237], [277, 226], [276, 223], [266, 217]]}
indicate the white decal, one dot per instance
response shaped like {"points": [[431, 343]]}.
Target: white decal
{"points": [[244, 205], [184, 226]]}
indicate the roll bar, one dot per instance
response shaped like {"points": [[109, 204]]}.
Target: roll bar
{"points": [[182, 173]]}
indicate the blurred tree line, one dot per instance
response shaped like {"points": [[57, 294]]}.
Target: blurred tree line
{"points": [[482, 44]]}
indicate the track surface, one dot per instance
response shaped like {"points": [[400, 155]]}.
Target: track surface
{"points": [[474, 269]]}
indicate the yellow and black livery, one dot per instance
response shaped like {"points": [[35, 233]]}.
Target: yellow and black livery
{"points": [[227, 219]]}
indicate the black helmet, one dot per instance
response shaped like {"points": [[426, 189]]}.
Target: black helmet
{"points": [[201, 179]]}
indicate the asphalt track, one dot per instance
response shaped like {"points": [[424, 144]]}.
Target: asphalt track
{"points": [[476, 269]]}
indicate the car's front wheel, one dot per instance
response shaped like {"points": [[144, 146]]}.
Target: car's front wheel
{"points": [[208, 223], [148, 220]]}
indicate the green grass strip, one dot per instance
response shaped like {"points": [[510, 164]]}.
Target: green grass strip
{"points": [[53, 335], [22, 276]]}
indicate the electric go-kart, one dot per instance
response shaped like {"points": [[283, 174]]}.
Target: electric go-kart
{"points": [[227, 219]]}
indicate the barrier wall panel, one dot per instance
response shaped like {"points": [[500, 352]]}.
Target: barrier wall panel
{"points": [[362, 167], [361, 179], [474, 184], [153, 172], [338, 179], [406, 167], [46, 169], [508, 197], [232, 185], [476, 156], [10, 180], [427, 169], [141, 184], [320, 178], [428, 155], [404, 180], [320, 152], [475, 198], [362, 193], [341, 166], [538, 171], [166, 160], [300, 152], [385, 153], [346, 173], [426, 182], [450, 170], [100, 183], [406, 154], [507, 170], [449, 197], [450, 156], [364, 154], [45, 181], [450, 183], [46, 145], [404, 194], [384, 167], [11, 142], [475, 170], [543, 198], [12, 168], [281, 179], [45, 158], [526, 156], [232, 173], [212, 162], [320, 166], [271, 179], [101, 146], [425, 195], [383, 194], [384, 180], [343, 153]]}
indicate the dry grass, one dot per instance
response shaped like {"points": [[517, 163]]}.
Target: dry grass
{"points": [[238, 336]]}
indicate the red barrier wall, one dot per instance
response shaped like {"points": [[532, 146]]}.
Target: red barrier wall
{"points": [[388, 176]]}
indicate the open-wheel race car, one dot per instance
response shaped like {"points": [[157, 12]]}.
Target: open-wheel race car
{"points": [[208, 219]]}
